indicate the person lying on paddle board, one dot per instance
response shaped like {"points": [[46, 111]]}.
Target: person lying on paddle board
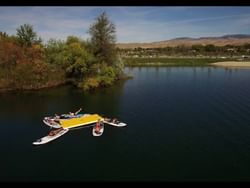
{"points": [[73, 114], [70, 114]]}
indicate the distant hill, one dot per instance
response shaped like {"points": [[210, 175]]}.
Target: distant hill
{"points": [[237, 39]]}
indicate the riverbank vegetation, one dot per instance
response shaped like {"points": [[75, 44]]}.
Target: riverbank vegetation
{"points": [[27, 63], [194, 51], [195, 55]]}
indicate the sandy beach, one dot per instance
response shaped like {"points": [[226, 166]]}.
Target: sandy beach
{"points": [[233, 64]]}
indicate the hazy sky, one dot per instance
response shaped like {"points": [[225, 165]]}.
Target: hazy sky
{"points": [[133, 24]]}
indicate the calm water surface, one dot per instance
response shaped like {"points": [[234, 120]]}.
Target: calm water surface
{"points": [[184, 124]]}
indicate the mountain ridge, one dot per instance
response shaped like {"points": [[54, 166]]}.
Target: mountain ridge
{"points": [[233, 39]]}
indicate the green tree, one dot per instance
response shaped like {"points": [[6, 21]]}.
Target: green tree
{"points": [[3, 34], [210, 48], [72, 39], [55, 52], [77, 59], [71, 55], [103, 39], [26, 36]]}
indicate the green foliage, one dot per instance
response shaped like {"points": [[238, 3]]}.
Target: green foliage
{"points": [[25, 76], [119, 67], [90, 83], [198, 50], [72, 39], [23, 66], [26, 36], [210, 48], [103, 39], [26, 64], [3, 35], [107, 75], [70, 55], [77, 69], [55, 52]]}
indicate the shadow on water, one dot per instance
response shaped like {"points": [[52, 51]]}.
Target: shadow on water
{"points": [[60, 100]]}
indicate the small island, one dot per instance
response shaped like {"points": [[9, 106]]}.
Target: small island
{"points": [[27, 63]]}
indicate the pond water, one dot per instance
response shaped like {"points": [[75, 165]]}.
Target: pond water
{"points": [[184, 124]]}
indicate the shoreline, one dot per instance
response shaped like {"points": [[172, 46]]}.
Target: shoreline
{"points": [[245, 64]]}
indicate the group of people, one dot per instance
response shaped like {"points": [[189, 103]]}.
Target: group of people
{"points": [[98, 125]]}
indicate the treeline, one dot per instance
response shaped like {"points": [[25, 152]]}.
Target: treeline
{"points": [[209, 50], [27, 63], [23, 64]]}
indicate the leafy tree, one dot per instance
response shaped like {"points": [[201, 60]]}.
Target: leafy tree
{"points": [[3, 35], [210, 48], [246, 46], [72, 39], [103, 39], [27, 36], [77, 58], [71, 55]]}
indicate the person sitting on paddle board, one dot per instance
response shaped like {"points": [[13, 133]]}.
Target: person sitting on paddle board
{"points": [[114, 120], [98, 127], [54, 132]]}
